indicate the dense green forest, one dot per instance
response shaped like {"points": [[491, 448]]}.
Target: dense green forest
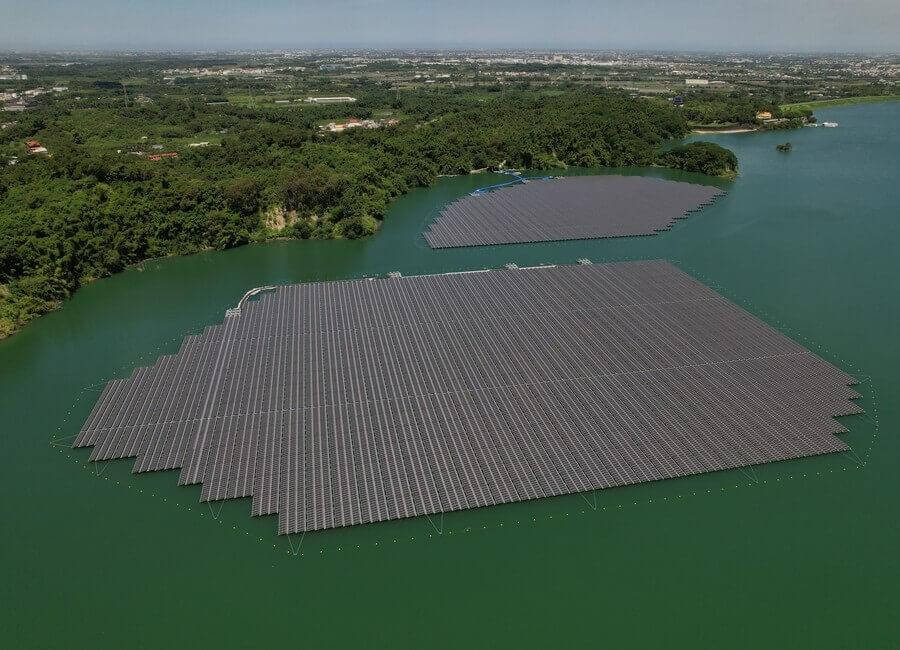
{"points": [[740, 107], [705, 157], [91, 208]]}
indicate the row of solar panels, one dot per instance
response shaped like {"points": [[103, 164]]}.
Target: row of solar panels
{"points": [[362, 304], [330, 417], [580, 207], [449, 452], [328, 366], [282, 373]]}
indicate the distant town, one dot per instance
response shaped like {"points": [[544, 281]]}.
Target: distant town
{"points": [[724, 91], [28, 79]]}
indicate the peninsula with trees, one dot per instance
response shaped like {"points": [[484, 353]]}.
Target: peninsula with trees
{"points": [[114, 169]]}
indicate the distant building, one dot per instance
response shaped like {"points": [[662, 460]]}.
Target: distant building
{"points": [[198, 144], [696, 82], [764, 115], [60, 89], [678, 100], [34, 146], [337, 127], [330, 100], [160, 156]]}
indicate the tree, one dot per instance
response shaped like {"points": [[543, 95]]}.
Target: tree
{"points": [[704, 157], [243, 195]]}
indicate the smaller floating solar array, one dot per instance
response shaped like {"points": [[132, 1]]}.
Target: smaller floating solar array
{"points": [[576, 207], [340, 403]]}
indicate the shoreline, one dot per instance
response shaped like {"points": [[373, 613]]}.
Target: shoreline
{"points": [[138, 265], [713, 131], [841, 101]]}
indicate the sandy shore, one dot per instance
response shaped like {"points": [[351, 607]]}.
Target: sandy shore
{"points": [[707, 131]]}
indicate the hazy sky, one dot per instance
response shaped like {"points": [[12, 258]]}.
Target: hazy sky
{"points": [[753, 25]]}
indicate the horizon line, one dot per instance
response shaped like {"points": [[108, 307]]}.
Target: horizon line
{"points": [[314, 49]]}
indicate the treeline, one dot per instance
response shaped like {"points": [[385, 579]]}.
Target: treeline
{"points": [[704, 157], [88, 211], [737, 107]]}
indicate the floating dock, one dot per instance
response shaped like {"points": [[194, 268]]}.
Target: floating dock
{"points": [[574, 207], [341, 403]]}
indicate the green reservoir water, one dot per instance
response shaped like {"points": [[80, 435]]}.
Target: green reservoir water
{"points": [[801, 554]]}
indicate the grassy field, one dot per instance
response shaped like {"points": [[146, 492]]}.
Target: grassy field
{"points": [[266, 99], [821, 103]]}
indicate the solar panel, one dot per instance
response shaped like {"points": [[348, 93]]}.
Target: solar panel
{"points": [[339, 403], [575, 207]]}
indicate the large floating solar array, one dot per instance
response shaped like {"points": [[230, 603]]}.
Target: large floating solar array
{"points": [[341, 403], [576, 207]]}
